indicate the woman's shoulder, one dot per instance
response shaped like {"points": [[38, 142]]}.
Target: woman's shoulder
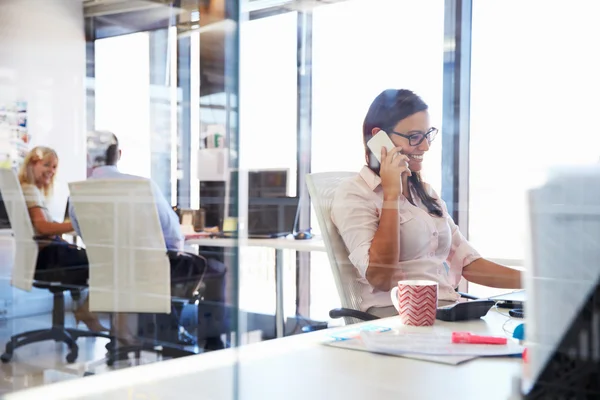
{"points": [[28, 187], [31, 192], [350, 186]]}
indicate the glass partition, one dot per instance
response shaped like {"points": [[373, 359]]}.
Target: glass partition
{"points": [[529, 88], [184, 132]]}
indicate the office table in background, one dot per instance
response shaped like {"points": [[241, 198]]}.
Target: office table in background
{"points": [[278, 244], [299, 367]]}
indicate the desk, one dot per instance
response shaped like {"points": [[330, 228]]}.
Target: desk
{"points": [[279, 245], [299, 368]]}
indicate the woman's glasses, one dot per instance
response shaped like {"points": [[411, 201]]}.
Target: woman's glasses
{"points": [[416, 138]]}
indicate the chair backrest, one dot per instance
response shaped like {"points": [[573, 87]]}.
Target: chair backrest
{"points": [[129, 266], [322, 187], [26, 251]]}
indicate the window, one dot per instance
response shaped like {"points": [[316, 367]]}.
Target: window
{"points": [[534, 102], [129, 94], [268, 97]]}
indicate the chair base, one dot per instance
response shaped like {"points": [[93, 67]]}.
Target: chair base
{"points": [[67, 336], [58, 332], [118, 353]]}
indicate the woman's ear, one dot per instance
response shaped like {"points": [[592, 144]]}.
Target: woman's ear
{"points": [[374, 131]]}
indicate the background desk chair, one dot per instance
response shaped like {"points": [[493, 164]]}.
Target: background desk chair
{"points": [[130, 268], [322, 187], [24, 266]]}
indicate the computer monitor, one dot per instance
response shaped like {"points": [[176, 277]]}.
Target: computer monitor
{"points": [[562, 282], [262, 183], [212, 201], [219, 198]]}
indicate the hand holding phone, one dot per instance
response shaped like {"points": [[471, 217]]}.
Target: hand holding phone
{"points": [[378, 141], [393, 164]]}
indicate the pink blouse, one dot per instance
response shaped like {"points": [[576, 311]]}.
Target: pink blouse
{"points": [[430, 247]]}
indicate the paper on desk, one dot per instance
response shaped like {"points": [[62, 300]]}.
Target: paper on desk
{"points": [[357, 344], [434, 344], [350, 339], [353, 333]]}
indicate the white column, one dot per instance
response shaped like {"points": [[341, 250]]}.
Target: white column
{"points": [[42, 62]]}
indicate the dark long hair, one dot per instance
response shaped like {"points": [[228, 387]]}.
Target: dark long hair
{"points": [[389, 108]]}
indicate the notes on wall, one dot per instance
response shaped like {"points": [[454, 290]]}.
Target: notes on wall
{"points": [[14, 135]]}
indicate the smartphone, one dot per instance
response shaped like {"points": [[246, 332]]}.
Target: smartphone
{"points": [[381, 139]]}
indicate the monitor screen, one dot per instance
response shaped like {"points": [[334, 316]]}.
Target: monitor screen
{"points": [[219, 199]]}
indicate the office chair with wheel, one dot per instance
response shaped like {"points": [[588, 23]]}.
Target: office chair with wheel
{"points": [[322, 187], [130, 269], [26, 257]]}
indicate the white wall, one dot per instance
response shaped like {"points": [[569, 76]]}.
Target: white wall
{"points": [[42, 61]]}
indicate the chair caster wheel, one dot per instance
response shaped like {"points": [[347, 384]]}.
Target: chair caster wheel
{"points": [[6, 357], [72, 357]]}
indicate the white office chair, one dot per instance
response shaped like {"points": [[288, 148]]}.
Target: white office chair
{"points": [[130, 270], [26, 247], [322, 187], [24, 266], [129, 266]]}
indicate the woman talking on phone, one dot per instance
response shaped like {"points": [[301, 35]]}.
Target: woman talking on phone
{"points": [[393, 224]]}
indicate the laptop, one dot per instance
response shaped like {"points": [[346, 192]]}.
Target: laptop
{"points": [[270, 217]]}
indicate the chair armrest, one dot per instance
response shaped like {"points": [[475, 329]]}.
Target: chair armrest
{"points": [[467, 296], [348, 312]]}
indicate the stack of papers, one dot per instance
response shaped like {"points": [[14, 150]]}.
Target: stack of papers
{"points": [[428, 345], [435, 344], [354, 333]]}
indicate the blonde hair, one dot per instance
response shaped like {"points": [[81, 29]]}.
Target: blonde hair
{"points": [[39, 153]]}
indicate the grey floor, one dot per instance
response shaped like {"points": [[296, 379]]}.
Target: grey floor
{"points": [[44, 363]]}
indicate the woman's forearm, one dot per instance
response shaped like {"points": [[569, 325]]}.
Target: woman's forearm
{"points": [[488, 273], [385, 248], [53, 228]]}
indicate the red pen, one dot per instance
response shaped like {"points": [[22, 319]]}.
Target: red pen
{"points": [[466, 337]]}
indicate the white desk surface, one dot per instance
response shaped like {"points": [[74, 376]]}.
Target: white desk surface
{"points": [[299, 367], [279, 243]]}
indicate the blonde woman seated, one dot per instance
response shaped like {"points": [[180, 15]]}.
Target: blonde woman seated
{"points": [[58, 261], [394, 225]]}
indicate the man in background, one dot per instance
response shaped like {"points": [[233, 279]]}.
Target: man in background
{"points": [[103, 156]]}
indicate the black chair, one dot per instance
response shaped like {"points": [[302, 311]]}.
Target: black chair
{"points": [[365, 316], [57, 332], [195, 280], [23, 272]]}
